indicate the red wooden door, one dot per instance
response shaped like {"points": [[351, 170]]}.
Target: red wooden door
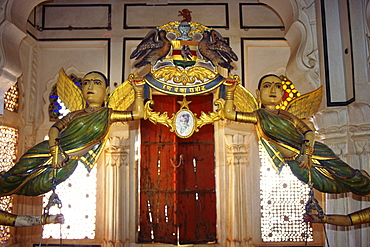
{"points": [[177, 195]]}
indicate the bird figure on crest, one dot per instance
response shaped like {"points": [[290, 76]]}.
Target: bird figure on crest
{"points": [[155, 46], [184, 42], [214, 48]]}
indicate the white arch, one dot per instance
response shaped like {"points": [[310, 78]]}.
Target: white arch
{"points": [[298, 16], [13, 24]]}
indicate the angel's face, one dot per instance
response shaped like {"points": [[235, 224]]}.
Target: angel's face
{"points": [[94, 89], [271, 92]]}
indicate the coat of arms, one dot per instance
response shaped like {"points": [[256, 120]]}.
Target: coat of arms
{"points": [[184, 59]]}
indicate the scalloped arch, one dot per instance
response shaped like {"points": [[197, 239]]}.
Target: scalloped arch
{"points": [[12, 32]]}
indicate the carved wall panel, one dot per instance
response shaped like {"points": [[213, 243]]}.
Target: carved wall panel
{"points": [[250, 17], [76, 16], [155, 16], [255, 57]]}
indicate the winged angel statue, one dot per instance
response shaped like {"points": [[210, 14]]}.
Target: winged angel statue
{"points": [[288, 140], [79, 136]]}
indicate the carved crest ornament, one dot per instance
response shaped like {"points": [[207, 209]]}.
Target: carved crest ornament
{"points": [[184, 57]]}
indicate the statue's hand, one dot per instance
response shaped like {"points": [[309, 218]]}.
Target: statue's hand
{"points": [[55, 219], [312, 218], [230, 86], [59, 159], [305, 161], [138, 85]]}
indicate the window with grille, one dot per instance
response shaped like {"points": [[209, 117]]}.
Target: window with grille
{"points": [[78, 196], [283, 199], [283, 196], [77, 193], [11, 98], [8, 148]]}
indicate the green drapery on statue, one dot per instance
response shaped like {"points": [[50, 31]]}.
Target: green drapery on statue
{"points": [[32, 174], [329, 173]]}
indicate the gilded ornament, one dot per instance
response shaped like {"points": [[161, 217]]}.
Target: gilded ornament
{"points": [[193, 75], [184, 56], [184, 122]]}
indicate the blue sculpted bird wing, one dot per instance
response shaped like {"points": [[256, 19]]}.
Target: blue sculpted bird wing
{"points": [[69, 93]]}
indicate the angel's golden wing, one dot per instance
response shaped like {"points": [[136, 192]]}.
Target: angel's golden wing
{"points": [[122, 97], [69, 92], [244, 100], [306, 105]]}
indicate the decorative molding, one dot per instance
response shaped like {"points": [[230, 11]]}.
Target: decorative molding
{"points": [[29, 140], [358, 113], [361, 139], [348, 139], [333, 132], [329, 117], [360, 132], [12, 32], [114, 243], [10, 64], [308, 53], [117, 151], [31, 90], [237, 148], [347, 125], [304, 50]]}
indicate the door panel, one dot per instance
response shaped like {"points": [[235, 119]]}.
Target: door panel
{"points": [[158, 146], [177, 195]]}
